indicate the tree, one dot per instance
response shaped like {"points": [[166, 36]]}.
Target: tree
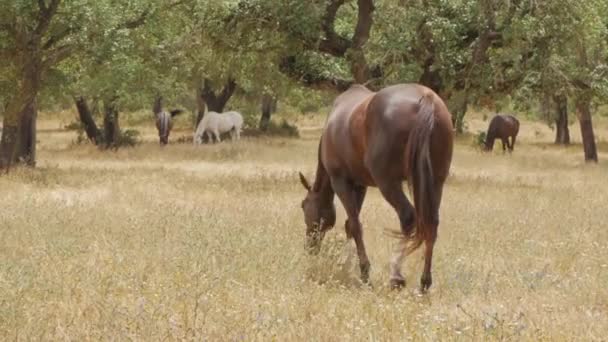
{"points": [[32, 47], [562, 132], [570, 61]]}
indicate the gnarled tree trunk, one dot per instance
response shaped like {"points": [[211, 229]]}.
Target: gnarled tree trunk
{"points": [[269, 106], [206, 96], [26, 141], [562, 132], [583, 108], [86, 118], [111, 130], [19, 106]]}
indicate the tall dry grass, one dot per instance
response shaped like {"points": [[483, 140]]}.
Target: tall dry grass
{"points": [[206, 243]]}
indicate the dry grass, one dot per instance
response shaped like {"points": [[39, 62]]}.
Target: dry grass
{"points": [[207, 244]]}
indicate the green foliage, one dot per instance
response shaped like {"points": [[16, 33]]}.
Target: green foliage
{"points": [[479, 139], [135, 50]]}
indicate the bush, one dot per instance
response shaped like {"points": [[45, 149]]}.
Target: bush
{"points": [[284, 129], [128, 138], [479, 139], [73, 126]]}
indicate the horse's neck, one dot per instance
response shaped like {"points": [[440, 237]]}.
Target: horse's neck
{"points": [[322, 183]]}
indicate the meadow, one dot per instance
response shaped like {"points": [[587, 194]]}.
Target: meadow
{"points": [[207, 243]]}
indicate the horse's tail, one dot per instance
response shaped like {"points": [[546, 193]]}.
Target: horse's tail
{"points": [[176, 112], [419, 172]]}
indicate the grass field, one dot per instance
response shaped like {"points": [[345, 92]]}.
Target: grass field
{"points": [[186, 243]]}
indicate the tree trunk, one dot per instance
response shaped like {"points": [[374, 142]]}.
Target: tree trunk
{"points": [[268, 107], [26, 140], [206, 96], [583, 107], [157, 107], [458, 104], [86, 118], [217, 102], [562, 132], [111, 130], [24, 96], [8, 144]]}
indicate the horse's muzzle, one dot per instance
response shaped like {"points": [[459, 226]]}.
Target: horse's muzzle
{"points": [[313, 243]]}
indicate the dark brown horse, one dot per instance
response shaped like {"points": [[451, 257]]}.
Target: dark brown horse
{"points": [[164, 120], [502, 127], [403, 132]]}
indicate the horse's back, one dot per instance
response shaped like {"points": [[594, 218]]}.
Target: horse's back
{"points": [[504, 125], [392, 116], [235, 117]]}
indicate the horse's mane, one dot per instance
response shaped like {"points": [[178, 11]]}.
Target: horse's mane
{"points": [[321, 173]]}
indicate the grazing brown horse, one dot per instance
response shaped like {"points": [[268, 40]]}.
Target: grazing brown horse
{"points": [[502, 127], [403, 132]]}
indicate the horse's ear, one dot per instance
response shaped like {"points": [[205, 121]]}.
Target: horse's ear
{"points": [[304, 181]]}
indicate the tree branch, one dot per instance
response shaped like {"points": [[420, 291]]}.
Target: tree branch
{"points": [[312, 79], [364, 23], [136, 22], [57, 55], [56, 38], [333, 43], [46, 13]]}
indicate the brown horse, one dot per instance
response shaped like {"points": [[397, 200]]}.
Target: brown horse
{"points": [[403, 132], [502, 127]]}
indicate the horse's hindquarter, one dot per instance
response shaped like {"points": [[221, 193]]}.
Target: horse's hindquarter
{"points": [[442, 141], [390, 119]]}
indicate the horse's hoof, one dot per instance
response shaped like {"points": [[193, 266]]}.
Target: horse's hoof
{"points": [[397, 284], [425, 283]]}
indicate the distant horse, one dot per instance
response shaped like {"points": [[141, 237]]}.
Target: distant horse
{"points": [[217, 123], [403, 132], [164, 122], [502, 127]]}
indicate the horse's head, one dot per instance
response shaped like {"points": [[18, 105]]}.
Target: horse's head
{"points": [[319, 216]]}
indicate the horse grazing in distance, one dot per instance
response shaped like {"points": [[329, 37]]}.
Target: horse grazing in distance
{"points": [[380, 139], [216, 124], [502, 127], [164, 122]]}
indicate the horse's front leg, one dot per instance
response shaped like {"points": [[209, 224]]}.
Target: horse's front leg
{"points": [[360, 192], [217, 136], [349, 196]]}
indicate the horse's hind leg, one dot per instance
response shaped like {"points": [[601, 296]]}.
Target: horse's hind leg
{"points": [[393, 193], [349, 196], [429, 242], [512, 143]]}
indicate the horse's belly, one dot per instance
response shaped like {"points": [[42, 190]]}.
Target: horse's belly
{"points": [[225, 125]]}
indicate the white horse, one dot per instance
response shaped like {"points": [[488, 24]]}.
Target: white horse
{"points": [[217, 124]]}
